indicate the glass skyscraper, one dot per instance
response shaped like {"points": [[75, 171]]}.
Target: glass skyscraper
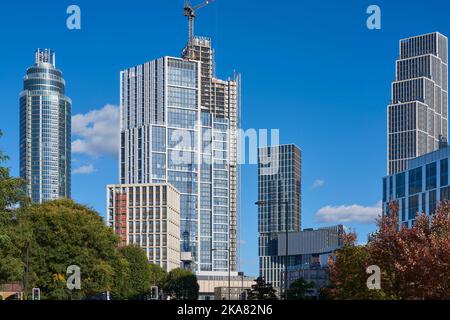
{"points": [[178, 126], [418, 113], [45, 131], [279, 198]]}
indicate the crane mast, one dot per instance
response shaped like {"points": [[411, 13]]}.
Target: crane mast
{"points": [[189, 12]]}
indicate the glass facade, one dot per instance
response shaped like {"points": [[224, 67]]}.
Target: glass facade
{"points": [[426, 183], [45, 131], [431, 176], [415, 181], [444, 172], [279, 209], [167, 135]]}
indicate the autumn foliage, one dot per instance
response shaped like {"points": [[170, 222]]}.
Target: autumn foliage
{"points": [[414, 262]]}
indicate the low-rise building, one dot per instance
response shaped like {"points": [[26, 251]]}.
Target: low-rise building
{"points": [[11, 291], [419, 188], [217, 287], [232, 293], [308, 253]]}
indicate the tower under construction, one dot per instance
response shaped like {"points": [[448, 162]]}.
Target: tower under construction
{"points": [[179, 126]]}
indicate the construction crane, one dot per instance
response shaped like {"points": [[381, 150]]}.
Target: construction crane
{"points": [[189, 12]]}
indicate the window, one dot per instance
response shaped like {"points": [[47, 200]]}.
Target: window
{"points": [[182, 98], [415, 181], [391, 191], [144, 213], [432, 202], [444, 172], [424, 202], [157, 196], [445, 194], [164, 195], [137, 214], [403, 209], [413, 206], [431, 172], [151, 196], [400, 185]]}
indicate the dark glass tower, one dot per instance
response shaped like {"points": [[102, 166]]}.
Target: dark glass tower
{"points": [[45, 127], [279, 198]]}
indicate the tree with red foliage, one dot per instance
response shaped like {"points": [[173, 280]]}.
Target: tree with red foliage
{"points": [[414, 262]]}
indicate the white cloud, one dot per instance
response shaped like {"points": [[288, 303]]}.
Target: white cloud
{"points": [[84, 169], [97, 132], [318, 183], [349, 213]]}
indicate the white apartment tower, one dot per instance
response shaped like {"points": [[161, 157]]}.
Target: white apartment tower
{"points": [[417, 116]]}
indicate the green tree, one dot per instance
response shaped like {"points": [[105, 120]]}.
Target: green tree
{"points": [[182, 285], [137, 275], [121, 289], [59, 234], [11, 244], [11, 188], [298, 290], [14, 241], [262, 291], [158, 276]]}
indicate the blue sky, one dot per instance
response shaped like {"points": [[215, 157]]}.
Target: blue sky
{"points": [[311, 69]]}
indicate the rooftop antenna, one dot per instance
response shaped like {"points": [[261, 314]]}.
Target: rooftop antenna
{"points": [[189, 12]]}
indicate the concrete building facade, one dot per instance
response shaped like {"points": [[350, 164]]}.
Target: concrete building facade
{"points": [[147, 215], [215, 287]]}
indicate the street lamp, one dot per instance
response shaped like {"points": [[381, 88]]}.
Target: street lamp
{"points": [[285, 203]]}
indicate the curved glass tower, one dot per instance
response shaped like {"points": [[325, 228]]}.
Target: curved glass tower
{"points": [[45, 126]]}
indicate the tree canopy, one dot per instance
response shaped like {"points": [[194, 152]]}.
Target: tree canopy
{"points": [[11, 188], [136, 274], [59, 234], [414, 262], [262, 291], [11, 193], [298, 290], [182, 285]]}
